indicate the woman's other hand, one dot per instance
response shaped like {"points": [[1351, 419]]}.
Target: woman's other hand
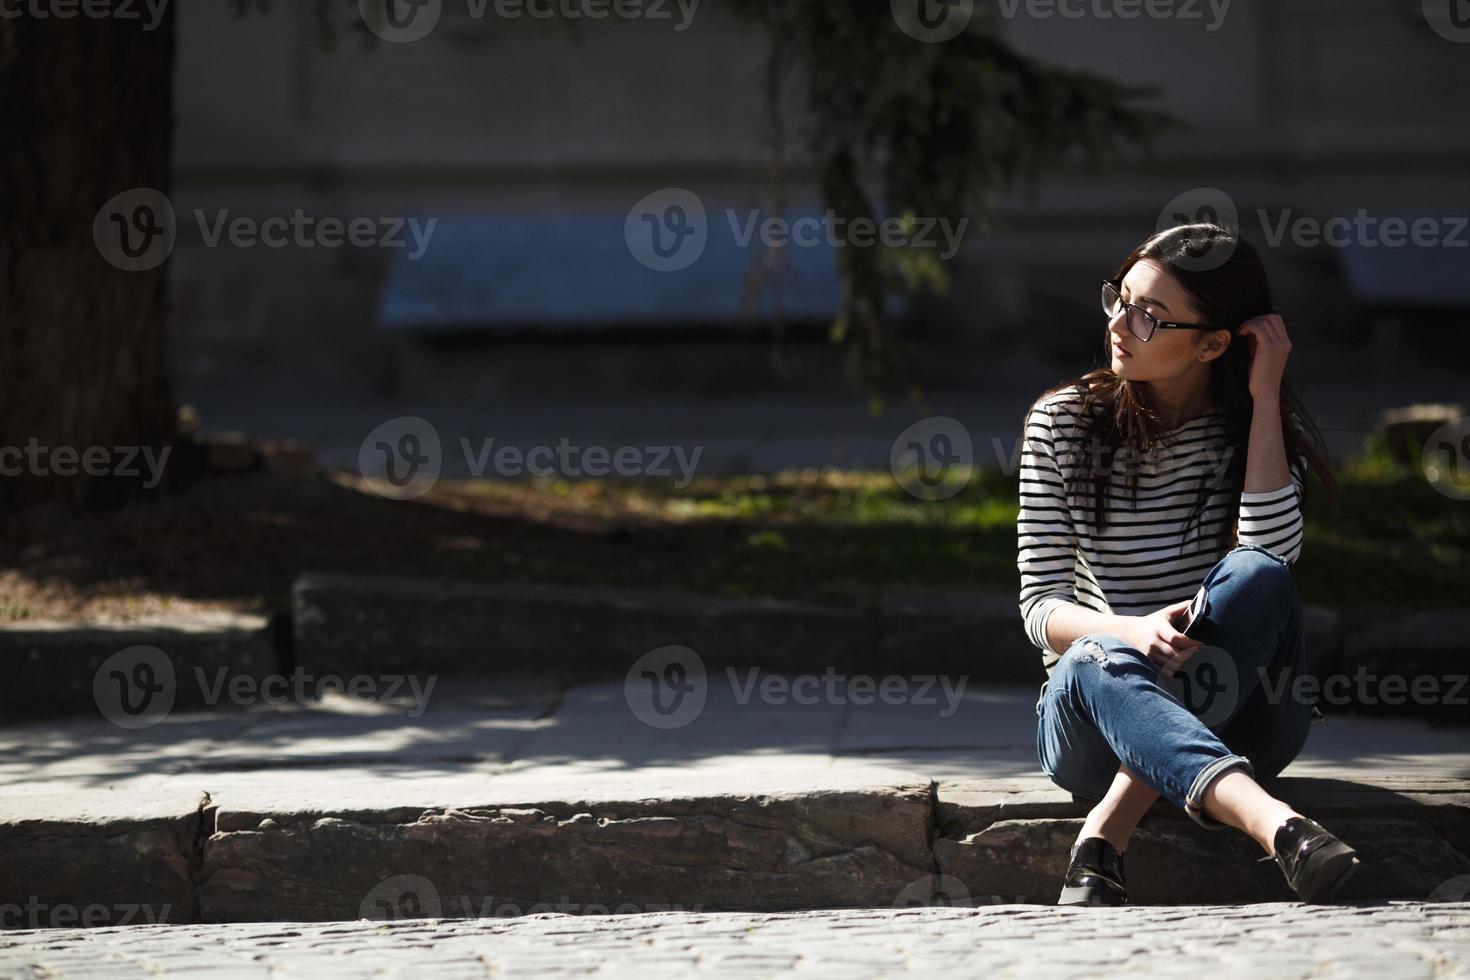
{"points": [[1156, 637]]}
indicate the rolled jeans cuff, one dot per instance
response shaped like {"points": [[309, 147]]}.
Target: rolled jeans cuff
{"points": [[1194, 802]]}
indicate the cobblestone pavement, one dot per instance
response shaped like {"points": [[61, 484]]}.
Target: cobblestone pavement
{"points": [[1401, 940]]}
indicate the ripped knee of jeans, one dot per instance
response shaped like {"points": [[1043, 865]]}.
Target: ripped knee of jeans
{"points": [[1090, 649]]}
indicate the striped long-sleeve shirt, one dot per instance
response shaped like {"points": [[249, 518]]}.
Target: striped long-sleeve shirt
{"points": [[1142, 560]]}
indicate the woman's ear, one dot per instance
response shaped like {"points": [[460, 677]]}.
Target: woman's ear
{"points": [[1214, 343]]}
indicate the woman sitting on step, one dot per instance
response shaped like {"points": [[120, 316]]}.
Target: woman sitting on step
{"points": [[1160, 514]]}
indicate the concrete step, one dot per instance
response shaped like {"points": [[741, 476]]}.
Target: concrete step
{"points": [[132, 671], [373, 624], [391, 636], [1393, 661], [531, 794]]}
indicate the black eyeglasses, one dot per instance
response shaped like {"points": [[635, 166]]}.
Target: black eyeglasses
{"points": [[1141, 323]]}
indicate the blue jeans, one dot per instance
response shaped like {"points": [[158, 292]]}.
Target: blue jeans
{"points": [[1231, 706]]}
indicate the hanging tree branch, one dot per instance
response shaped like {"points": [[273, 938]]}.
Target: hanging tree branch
{"points": [[938, 130]]}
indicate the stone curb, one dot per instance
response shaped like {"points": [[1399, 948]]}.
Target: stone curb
{"points": [[110, 870], [960, 842], [766, 853]]}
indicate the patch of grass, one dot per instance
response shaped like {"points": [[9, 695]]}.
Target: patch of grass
{"points": [[822, 535]]}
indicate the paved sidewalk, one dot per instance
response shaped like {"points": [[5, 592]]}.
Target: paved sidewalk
{"points": [[755, 729], [524, 738], [1406, 941]]}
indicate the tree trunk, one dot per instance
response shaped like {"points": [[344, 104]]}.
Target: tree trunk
{"points": [[86, 113]]}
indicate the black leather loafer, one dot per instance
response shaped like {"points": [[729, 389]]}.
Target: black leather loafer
{"points": [[1095, 876], [1315, 863]]}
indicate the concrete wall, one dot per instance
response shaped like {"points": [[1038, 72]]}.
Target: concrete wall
{"points": [[1320, 107]]}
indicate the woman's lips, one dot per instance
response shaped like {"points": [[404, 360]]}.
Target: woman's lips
{"points": [[1120, 351]]}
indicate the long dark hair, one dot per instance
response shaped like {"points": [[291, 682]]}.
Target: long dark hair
{"points": [[1226, 283]]}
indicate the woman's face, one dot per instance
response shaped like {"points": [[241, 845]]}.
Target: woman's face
{"points": [[1169, 353]]}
